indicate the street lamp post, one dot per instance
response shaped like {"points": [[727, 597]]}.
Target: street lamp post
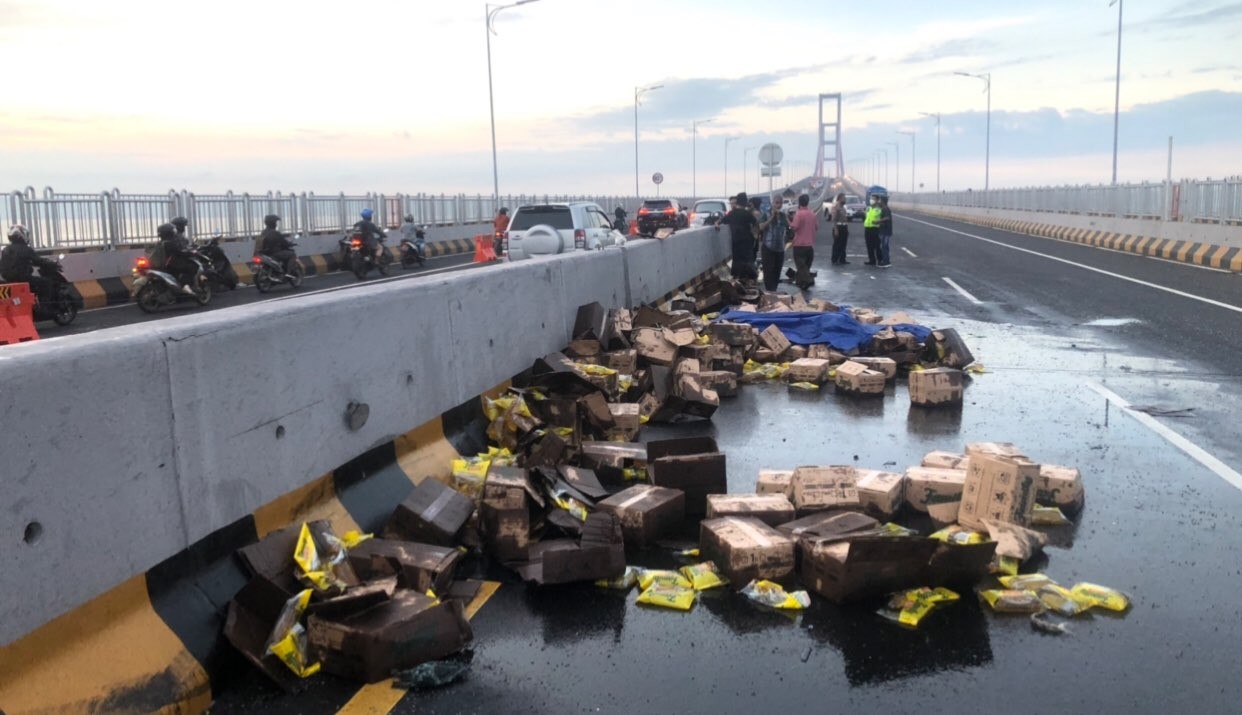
{"points": [[987, 151], [937, 116], [491, 102], [694, 156], [639, 92], [913, 157], [1117, 95], [726, 167], [897, 165]]}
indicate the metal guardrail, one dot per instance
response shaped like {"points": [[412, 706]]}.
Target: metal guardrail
{"points": [[112, 219], [1202, 201]]}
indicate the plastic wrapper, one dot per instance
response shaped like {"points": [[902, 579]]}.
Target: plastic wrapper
{"points": [[1045, 622], [662, 577], [579, 510], [469, 473], [1048, 516], [352, 538], [1101, 596], [625, 382], [1061, 600], [909, 608], [808, 386], [624, 582], [666, 596], [891, 529], [316, 568], [1004, 565], [773, 595], [1026, 581], [960, 535], [757, 372], [596, 370], [288, 639], [1012, 600], [703, 576], [435, 674], [634, 474]]}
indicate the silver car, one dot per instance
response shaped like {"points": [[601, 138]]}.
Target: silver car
{"points": [[703, 208], [546, 229]]}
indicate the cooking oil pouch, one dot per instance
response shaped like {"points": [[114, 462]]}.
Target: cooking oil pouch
{"points": [[666, 596], [909, 608], [352, 538], [773, 595], [1004, 565], [703, 576], [469, 475], [495, 408], [634, 474], [315, 568], [1101, 596], [624, 582], [662, 577], [687, 553], [891, 529], [1026, 581], [1012, 600], [579, 510], [597, 370], [808, 386], [1048, 516], [1061, 600], [625, 382], [960, 535], [976, 369], [288, 639]]}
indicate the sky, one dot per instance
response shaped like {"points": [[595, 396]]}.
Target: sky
{"points": [[392, 95]]}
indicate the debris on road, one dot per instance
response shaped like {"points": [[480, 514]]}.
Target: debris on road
{"points": [[436, 674], [773, 595]]}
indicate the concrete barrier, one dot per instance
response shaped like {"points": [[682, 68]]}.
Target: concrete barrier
{"points": [[128, 445]]}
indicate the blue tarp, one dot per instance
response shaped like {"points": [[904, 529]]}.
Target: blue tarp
{"points": [[840, 330]]}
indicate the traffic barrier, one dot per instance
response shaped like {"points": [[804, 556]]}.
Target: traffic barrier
{"points": [[633, 227], [16, 314], [484, 252]]}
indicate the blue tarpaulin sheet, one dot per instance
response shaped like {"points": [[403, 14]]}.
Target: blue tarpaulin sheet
{"points": [[840, 330]]}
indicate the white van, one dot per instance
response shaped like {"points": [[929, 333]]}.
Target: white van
{"points": [[545, 229]]}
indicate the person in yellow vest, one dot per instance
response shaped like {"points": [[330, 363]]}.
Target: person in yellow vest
{"points": [[871, 231]]}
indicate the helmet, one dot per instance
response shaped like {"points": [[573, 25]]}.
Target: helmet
{"points": [[367, 214], [180, 222], [166, 230], [409, 218], [504, 210], [271, 220], [18, 232]]}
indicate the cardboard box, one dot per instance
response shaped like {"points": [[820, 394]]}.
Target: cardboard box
{"points": [[647, 513], [807, 370], [623, 361], [945, 460], [763, 354], [599, 554], [867, 316], [961, 565], [506, 533], [771, 299], [776, 308], [433, 513], [937, 387], [417, 566], [864, 566], [686, 365], [583, 480], [506, 488], [885, 341], [899, 318], [745, 549], [771, 509], [822, 488], [398, 634], [622, 320], [695, 474], [722, 382], [774, 340], [733, 334], [888, 366], [652, 346], [794, 352], [626, 415], [1000, 489], [584, 348], [828, 524], [775, 481], [854, 378], [1060, 486], [595, 409], [592, 321], [356, 599], [820, 305], [252, 614], [881, 493], [928, 485], [947, 348], [689, 401], [999, 449]]}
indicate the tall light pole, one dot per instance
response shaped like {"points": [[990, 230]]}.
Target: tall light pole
{"points": [[1117, 95], [491, 102], [745, 155], [883, 152], [638, 92], [913, 157], [987, 151], [694, 156], [937, 116], [727, 140], [897, 165]]}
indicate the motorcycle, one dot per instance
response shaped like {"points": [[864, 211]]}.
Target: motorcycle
{"points": [[68, 301], [154, 289], [362, 260], [268, 271], [414, 252], [220, 269]]}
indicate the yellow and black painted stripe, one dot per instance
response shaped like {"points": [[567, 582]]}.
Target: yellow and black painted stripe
{"points": [[1200, 254]]}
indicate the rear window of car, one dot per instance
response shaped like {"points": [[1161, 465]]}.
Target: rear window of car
{"points": [[710, 206], [657, 205], [557, 217], [852, 199]]}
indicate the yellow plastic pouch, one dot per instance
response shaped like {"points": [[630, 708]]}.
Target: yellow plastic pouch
{"points": [[571, 505], [680, 599], [314, 569], [773, 595], [634, 474], [1012, 601], [891, 529], [1026, 581], [1048, 516], [353, 538], [662, 577], [960, 535], [1004, 565], [703, 576], [288, 639], [624, 582], [1101, 596], [597, 370], [1061, 600], [808, 386], [909, 608]]}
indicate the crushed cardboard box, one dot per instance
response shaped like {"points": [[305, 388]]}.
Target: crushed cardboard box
{"points": [[771, 509], [746, 549]]}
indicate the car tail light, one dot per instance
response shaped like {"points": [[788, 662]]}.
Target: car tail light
{"points": [[692, 215], [644, 211], [257, 261], [669, 211], [579, 238]]}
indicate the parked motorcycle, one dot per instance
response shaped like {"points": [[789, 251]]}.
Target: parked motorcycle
{"points": [[220, 269], [362, 260], [268, 271], [68, 301], [155, 289], [414, 252]]}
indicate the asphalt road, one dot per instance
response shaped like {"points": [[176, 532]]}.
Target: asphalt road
{"points": [[1162, 521]]}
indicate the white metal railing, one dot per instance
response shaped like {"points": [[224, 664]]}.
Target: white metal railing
{"points": [[1204, 201]]}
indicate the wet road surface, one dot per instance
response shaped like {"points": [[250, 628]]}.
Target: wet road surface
{"points": [[1157, 523]]}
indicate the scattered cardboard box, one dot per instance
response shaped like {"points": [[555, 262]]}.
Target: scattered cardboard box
{"points": [[945, 460], [946, 348], [599, 554], [865, 566], [652, 346], [807, 370], [998, 488], [433, 513], [822, 488], [937, 387], [828, 524], [1016, 542], [733, 334], [794, 352], [885, 365], [647, 513], [929, 485], [420, 567], [1000, 449], [697, 475], [745, 549], [854, 378], [774, 340], [775, 481], [771, 509], [723, 382], [1060, 486], [623, 361], [880, 493]]}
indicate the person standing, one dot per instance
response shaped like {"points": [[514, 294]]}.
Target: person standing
{"points": [[871, 231], [499, 226], [774, 230], [886, 231], [840, 222], [804, 226], [741, 222], [761, 218]]}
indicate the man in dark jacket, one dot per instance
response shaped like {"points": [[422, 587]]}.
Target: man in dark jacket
{"points": [[371, 234], [18, 261], [178, 258], [742, 224], [276, 245]]}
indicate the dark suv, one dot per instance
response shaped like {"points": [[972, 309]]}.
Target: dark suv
{"points": [[660, 213]]}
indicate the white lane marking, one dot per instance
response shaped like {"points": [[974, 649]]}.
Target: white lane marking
{"points": [[909, 251], [1219, 468], [1157, 286], [962, 290]]}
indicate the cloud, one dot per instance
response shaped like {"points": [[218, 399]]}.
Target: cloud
{"points": [[1192, 14], [962, 47]]}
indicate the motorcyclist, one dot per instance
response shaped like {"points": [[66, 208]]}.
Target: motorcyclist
{"points": [[18, 261], [371, 234], [178, 258], [276, 245], [620, 223], [409, 231], [180, 224]]}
